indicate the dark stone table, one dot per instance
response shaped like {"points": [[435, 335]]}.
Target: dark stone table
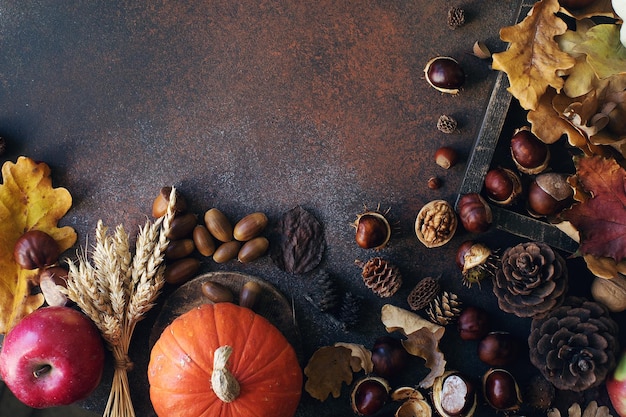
{"points": [[260, 106]]}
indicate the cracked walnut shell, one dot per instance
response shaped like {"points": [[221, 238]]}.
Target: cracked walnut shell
{"points": [[436, 223]]}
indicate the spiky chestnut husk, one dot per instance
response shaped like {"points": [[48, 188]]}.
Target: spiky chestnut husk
{"points": [[372, 230], [476, 262]]}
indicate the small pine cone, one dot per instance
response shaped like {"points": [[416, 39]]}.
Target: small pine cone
{"points": [[327, 295], [456, 17], [424, 292], [383, 278], [350, 311], [444, 309], [446, 124]]}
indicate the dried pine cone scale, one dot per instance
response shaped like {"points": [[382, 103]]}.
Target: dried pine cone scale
{"points": [[575, 345], [381, 276]]}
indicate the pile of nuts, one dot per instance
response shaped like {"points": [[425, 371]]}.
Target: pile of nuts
{"points": [[216, 238]]}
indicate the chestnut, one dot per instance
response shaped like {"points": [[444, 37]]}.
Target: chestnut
{"points": [[446, 157], [530, 154], [549, 194], [475, 213], [502, 186], [473, 323], [36, 249], [501, 390], [389, 356], [369, 395], [498, 349], [372, 230], [160, 203], [454, 395], [445, 74]]}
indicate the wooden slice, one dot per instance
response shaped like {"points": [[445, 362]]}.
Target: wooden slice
{"points": [[271, 304]]}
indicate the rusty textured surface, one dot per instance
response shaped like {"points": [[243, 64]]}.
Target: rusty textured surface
{"points": [[255, 105]]}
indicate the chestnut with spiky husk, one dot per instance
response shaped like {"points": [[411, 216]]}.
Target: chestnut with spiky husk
{"points": [[372, 229], [476, 262]]}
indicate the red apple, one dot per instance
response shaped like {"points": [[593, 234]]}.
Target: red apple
{"points": [[616, 387], [54, 356]]}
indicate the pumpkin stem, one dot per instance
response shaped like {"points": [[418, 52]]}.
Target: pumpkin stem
{"points": [[223, 382]]}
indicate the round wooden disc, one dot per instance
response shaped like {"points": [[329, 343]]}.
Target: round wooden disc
{"points": [[271, 304]]}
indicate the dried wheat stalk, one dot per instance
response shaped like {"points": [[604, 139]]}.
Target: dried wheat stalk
{"points": [[117, 289]]}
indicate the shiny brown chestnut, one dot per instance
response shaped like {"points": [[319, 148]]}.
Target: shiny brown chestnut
{"points": [[498, 349], [502, 186], [372, 230], [473, 323], [548, 194], [369, 395], [501, 390], [36, 249], [389, 356], [454, 395], [475, 213], [445, 74], [160, 203], [530, 154]]}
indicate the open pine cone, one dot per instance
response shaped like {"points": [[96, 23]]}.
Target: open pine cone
{"points": [[532, 280], [575, 345], [381, 276]]}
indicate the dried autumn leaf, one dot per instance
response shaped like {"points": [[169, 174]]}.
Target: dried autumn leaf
{"points": [[604, 267], [533, 62], [27, 202], [605, 53], [299, 244], [361, 357], [422, 340], [601, 219], [328, 368]]}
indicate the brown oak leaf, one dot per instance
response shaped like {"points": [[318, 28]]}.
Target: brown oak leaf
{"points": [[600, 219], [533, 62], [327, 370]]}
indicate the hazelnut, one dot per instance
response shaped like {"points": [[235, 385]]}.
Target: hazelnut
{"points": [[531, 155], [548, 194], [446, 157], [502, 186], [444, 74], [434, 183], [475, 213]]}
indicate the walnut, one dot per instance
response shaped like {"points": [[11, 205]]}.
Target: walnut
{"points": [[436, 223]]}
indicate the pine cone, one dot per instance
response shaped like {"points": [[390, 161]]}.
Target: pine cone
{"points": [[531, 281], [424, 292], [456, 17], [444, 309], [383, 278], [350, 311], [575, 345], [327, 295]]}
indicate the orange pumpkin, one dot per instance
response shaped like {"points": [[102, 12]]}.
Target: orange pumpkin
{"points": [[223, 360]]}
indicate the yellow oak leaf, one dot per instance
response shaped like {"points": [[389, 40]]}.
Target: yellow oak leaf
{"points": [[27, 202], [533, 61]]}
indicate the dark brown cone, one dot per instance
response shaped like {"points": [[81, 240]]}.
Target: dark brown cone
{"points": [[575, 345], [383, 278], [531, 280], [424, 292]]}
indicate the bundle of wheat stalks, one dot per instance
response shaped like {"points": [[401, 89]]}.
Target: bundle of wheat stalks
{"points": [[117, 289]]}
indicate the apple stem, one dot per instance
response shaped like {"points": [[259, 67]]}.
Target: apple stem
{"points": [[41, 371]]}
